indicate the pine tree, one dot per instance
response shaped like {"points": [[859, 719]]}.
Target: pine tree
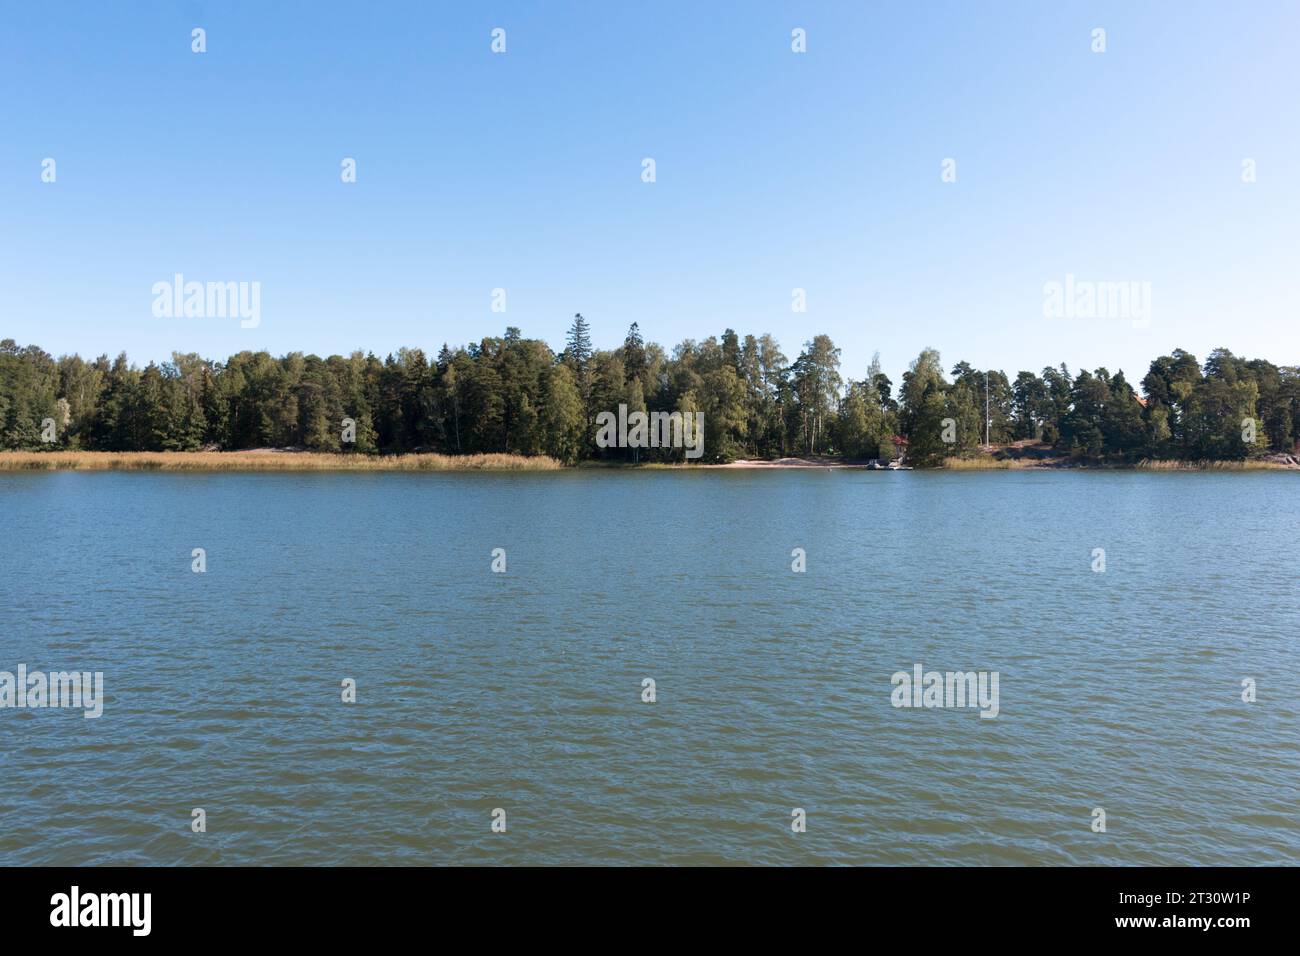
{"points": [[577, 355]]}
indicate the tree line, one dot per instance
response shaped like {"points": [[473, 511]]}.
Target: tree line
{"points": [[516, 395]]}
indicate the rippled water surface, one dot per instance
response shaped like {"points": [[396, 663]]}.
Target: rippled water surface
{"points": [[522, 690]]}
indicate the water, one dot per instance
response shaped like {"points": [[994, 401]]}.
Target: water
{"points": [[522, 690]]}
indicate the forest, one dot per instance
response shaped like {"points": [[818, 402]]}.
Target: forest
{"points": [[515, 395]]}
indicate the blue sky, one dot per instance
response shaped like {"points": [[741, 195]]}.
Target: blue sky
{"points": [[775, 171]]}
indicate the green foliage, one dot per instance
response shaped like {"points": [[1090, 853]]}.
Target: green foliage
{"points": [[513, 395], [562, 422], [1188, 412]]}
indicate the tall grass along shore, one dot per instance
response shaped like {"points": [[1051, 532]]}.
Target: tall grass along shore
{"points": [[264, 461], [280, 460], [991, 463]]}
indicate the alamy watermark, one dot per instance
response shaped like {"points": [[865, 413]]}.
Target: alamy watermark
{"points": [[651, 430], [922, 688], [36, 689], [75, 908], [1086, 299], [208, 300]]}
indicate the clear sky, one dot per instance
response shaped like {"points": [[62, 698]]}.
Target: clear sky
{"points": [[775, 171]]}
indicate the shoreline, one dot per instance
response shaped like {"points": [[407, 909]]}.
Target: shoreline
{"points": [[282, 460], [265, 460]]}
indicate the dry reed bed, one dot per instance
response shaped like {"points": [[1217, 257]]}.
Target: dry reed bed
{"points": [[319, 461], [264, 461], [1146, 464]]}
